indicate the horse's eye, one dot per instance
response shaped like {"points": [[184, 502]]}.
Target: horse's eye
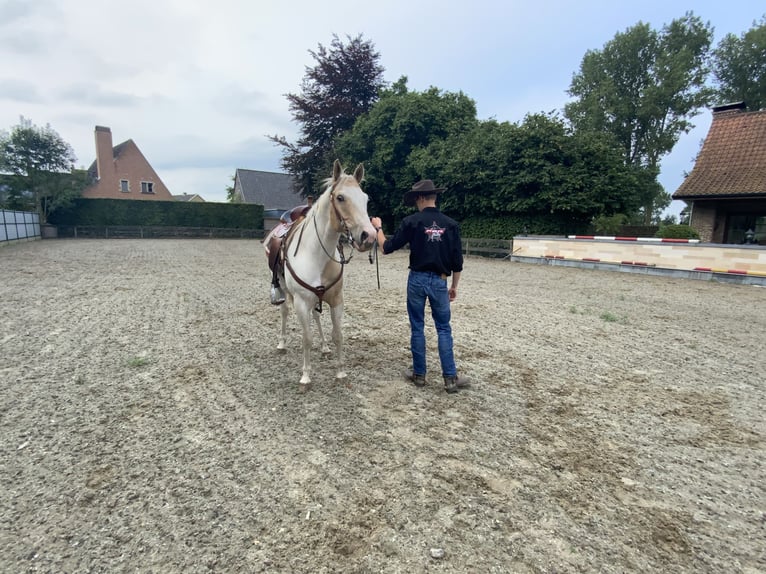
{"points": [[341, 198]]}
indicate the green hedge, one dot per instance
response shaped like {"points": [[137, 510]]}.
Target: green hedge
{"points": [[676, 231], [159, 213], [510, 226]]}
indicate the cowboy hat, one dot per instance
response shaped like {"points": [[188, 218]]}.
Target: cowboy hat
{"points": [[423, 187]]}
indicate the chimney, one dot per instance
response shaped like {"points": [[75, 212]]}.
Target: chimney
{"points": [[734, 107], [104, 153]]}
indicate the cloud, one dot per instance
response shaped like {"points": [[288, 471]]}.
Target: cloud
{"points": [[21, 30], [199, 85], [174, 152], [23, 43], [240, 100], [14, 11], [92, 94], [17, 90]]}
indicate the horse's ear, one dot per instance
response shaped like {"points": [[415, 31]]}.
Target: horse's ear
{"points": [[336, 170], [359, 173]]}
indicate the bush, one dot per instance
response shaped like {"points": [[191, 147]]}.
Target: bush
{"points": [[509, 226], [98, 212], [676, 232], [638, 230], [609, 224]]}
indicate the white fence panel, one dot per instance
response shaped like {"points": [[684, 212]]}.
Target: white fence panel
{"points": [[32, 221], [16, 225], [10, 222]]}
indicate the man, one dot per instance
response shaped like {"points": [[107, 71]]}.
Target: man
{"points": [[435, 254]]}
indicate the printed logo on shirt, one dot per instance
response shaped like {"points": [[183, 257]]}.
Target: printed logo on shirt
{"points": [[434, 232]]}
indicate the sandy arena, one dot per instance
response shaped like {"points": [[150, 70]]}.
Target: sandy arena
{"points": [[148, 424]]}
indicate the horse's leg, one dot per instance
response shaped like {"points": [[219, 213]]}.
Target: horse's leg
{"points": [[337, 337], [303, 312], [284, 311], [323, 342]]}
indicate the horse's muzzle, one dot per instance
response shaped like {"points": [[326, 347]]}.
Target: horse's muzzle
{"points": [[366, 239]]}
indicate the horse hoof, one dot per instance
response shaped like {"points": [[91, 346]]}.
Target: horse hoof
{"points": [[304, 387], [327, 351], [281, 350]]}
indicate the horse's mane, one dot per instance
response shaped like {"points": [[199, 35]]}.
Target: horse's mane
{"points": [[327, 182], [327, 185]]}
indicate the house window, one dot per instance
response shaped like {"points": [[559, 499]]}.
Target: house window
{"points": [[739, 225], [124, 186], [147, 187], [760, 230]]}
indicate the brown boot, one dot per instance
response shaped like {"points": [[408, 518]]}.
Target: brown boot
{"points": [[417, 380], [453, 384]]}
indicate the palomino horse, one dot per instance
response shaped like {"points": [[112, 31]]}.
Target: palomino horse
{"points": [[312, 261]]}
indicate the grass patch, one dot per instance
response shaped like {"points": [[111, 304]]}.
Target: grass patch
{"points": [[138, 362], [612, 318], [575, 311], [607, 316]]}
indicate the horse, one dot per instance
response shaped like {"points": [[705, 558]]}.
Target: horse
{"points": [[310, 268]]}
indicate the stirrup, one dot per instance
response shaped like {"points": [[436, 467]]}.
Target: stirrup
{"points": [[277, 296]]}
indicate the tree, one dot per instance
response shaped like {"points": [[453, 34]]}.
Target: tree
{"points": [[41, 165], [642, 88], [739, 67], [231, 197], [344, 84], [538, 169], [387, 138]]}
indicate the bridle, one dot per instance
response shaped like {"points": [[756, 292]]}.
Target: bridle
{"points": [[346, 236]]}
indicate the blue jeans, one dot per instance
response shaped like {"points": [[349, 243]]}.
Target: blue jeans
{"points": [[422, 285]]}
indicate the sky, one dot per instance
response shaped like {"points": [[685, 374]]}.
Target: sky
{"points": [[198, 85]]}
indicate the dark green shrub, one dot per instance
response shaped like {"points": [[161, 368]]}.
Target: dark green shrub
{"points": [[676, 231], [638, 230], [98, 212], [609, 224], [510, 226]]}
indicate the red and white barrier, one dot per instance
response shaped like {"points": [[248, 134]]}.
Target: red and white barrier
{"points": [[645, 264], [596, 260], [618, 238]]}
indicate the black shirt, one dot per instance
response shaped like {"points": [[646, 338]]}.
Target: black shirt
{"points": [[434, 242]]}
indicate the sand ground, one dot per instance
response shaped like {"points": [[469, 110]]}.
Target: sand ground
{"points": [[148, 424]]}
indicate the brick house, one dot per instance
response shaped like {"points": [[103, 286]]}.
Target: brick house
{"points": [[122, 172], [726, 190]]}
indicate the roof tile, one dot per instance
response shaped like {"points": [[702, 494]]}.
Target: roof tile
{"points": [[732, 161], [270, 189]]}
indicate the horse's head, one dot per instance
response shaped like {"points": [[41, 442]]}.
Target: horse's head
{"points": [[349, 206]]}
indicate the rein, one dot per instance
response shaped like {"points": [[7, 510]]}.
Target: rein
{"points": [[349, 239], [320, 290], [374, 254]]}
